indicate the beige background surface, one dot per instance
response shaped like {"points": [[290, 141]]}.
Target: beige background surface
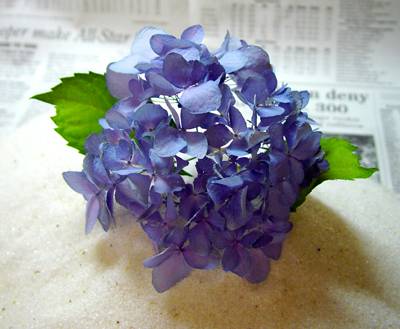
{"points": [[339, 269]]}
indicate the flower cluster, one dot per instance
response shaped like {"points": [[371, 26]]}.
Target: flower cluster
{"points": [[178, 105]]}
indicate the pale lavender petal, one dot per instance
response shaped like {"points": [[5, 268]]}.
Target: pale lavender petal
{"points": [[168, 142], [270, 111], [118, 83], [233, 61], [167, 184], [196, 144], [203, 98], [79, 183], [92, 212], [194, 33], [162, 44]]}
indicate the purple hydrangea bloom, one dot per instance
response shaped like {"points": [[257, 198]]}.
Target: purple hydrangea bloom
{"points": [[178, 103]]}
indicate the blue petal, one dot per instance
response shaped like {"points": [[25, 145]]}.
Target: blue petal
{"points": [[270, 111], [203, 98], [233, 61]]}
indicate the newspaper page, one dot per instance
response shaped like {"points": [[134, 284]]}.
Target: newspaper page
{"points": [[344, 51], [43, 40]]}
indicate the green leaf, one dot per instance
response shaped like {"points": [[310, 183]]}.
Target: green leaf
{"points": [[80, 101], [344, 163], [185, 173]]}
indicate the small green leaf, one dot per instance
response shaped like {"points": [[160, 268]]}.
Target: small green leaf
{"points": [[80, 101], [344, 163], [185, 173]]}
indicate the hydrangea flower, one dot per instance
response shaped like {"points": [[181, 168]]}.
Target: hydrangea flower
{"points": [[178, 104]]}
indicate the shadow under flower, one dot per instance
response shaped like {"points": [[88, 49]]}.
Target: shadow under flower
{"points": [[321, 256]]}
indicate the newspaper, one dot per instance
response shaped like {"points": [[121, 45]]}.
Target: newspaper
{"points": [[344, 51]]}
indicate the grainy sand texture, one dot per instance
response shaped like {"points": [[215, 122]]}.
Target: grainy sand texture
{"points": [[340, 267]]}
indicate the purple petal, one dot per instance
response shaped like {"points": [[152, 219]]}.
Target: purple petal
{"points": [[218, 135], [235, 211], [203, 98], [244, 262], [237, 121], [167, 184], [79, 183], [204, 120], [118, 83], [141, 52], [175, 114], [171, 214], [170, 272], [259, 266], [229, 44], [200, 261], [168, 142], [92, 212], [199, 241], [238, 148], [196, 144], [307, 147], [163, 43], [219, 190], [160, 85], [92, 144], [95, 171], [216, 219], [194, 33], [177, 70], [159, 258], [149, 116], [255, 90], [230, 259], [190, 54], [273, 250]]}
